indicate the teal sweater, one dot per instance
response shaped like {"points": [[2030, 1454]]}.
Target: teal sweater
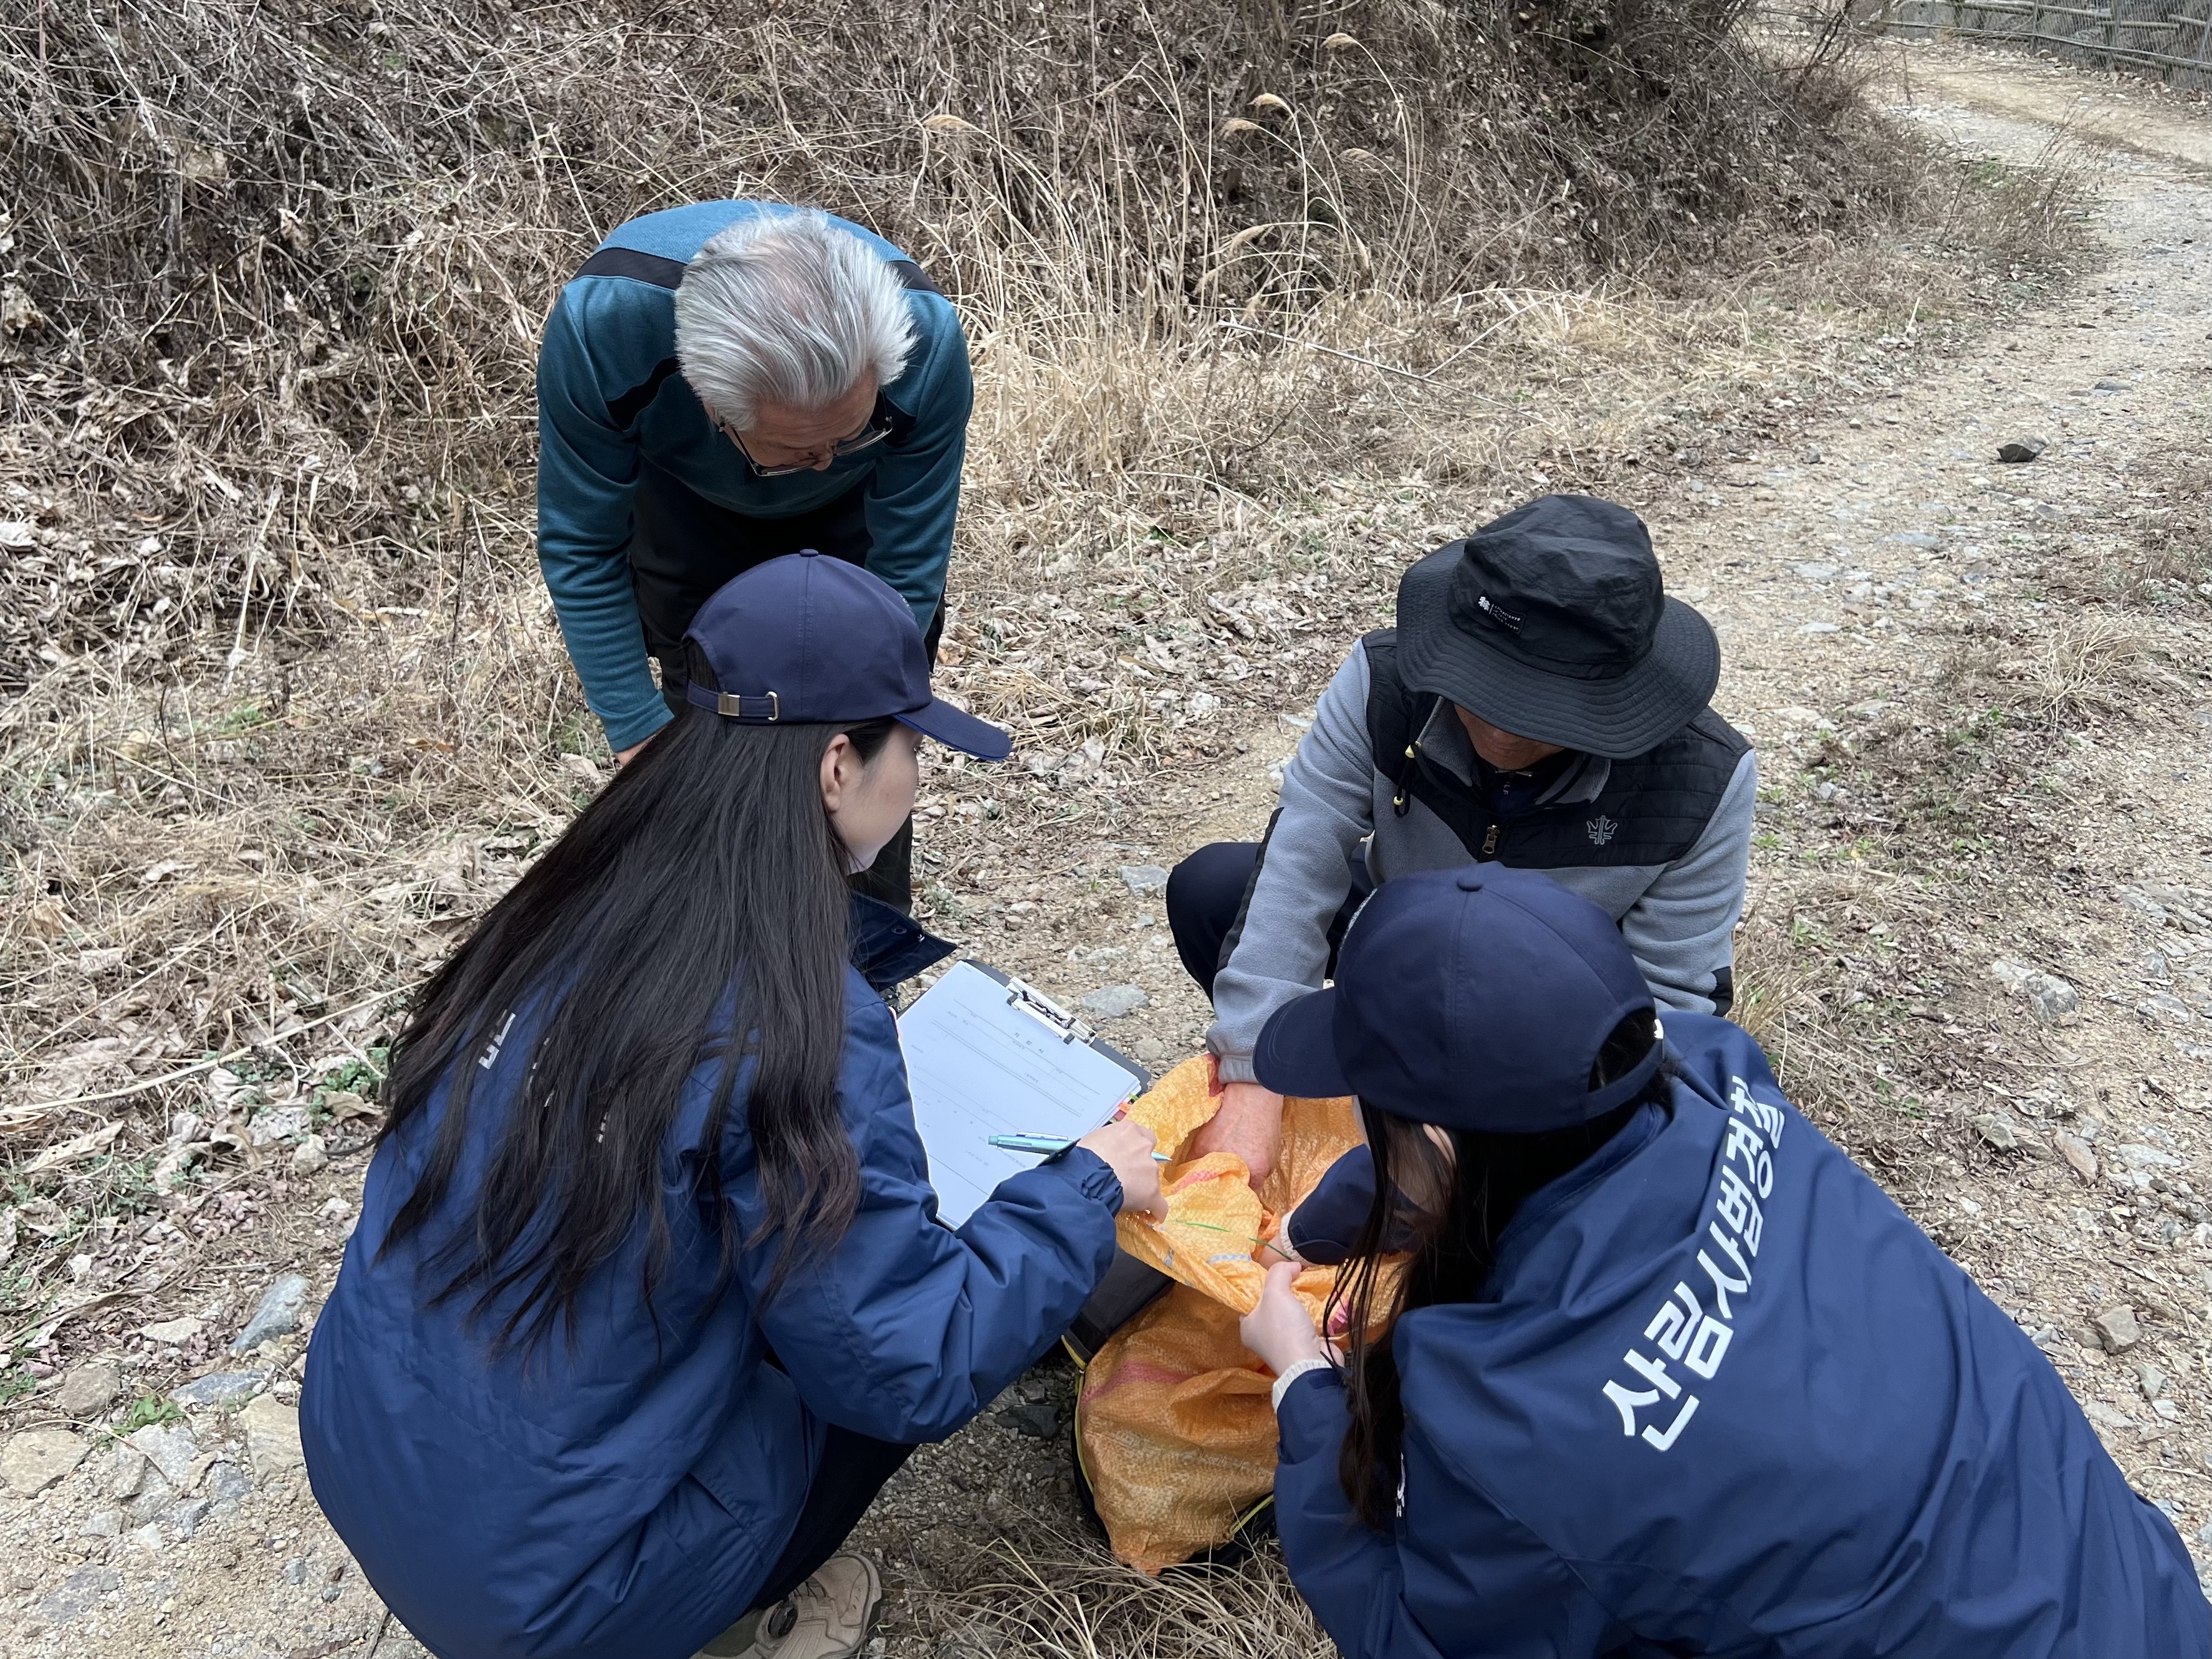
{"points": [[609, 396]]}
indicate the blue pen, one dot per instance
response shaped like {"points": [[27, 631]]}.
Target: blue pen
{"points": [[1047, 1145]]}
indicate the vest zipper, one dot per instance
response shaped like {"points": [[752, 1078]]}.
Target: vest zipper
{"points": [[1489, 841]]}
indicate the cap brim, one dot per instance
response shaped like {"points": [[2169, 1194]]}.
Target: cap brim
{"points": [[1617, 718], [960, 730], [1297, 1051]]}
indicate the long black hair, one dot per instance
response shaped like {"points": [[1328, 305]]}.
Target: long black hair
{"points": [[1460, 1203], [707, 870]]}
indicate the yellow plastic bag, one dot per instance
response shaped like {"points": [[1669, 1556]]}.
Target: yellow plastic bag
{"points": [[1175, 1424]]}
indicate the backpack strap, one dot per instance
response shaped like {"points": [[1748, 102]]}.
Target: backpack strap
{"points": [[664, 272]]}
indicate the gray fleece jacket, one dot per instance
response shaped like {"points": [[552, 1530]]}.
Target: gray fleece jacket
{"points": [[1661, 843]]}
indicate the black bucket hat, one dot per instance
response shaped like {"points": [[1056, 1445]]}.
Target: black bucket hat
{"points": [[1552, 624]]}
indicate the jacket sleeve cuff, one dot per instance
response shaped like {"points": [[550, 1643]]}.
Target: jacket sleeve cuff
{"points": [[1310, 1415], [1092, 1175], [1234, 1069], [1304, 1367], [633, 729]]}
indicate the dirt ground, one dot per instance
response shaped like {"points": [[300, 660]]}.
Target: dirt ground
{"points": [[1978, 925]]}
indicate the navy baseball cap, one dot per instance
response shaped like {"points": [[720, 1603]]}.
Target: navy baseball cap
{"points": [[805, 640], [1474, 999]]}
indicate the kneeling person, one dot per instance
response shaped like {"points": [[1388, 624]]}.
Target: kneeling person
{"points": [[1666, 1371], [1542, 703], [649, 1294]]}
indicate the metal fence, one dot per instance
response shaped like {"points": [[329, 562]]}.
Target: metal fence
{"points": [[2168, 39]]}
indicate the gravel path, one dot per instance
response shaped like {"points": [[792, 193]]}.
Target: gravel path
{"points": [[1881, 583]]}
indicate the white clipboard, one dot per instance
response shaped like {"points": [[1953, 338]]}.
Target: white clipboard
{"points": [[986, 1055]]}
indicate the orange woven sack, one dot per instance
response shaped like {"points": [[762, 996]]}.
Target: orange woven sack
{"points": [[1174, 1422]]}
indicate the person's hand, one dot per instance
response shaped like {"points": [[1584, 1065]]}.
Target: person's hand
{"points": [[1279, 1329], [1249, 1123], [1127, 1146], [1269, 1251], [623, 757]]}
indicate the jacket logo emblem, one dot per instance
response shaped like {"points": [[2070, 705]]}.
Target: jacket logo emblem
{"points": [[1601, 830]]}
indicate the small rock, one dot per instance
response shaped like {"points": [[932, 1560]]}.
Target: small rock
{"points": [[2116, 1329], [186, 1517], [1114, 1002], [36, 1458], [272, 1437], [1816, 571], [220, 1389], [278, 1316], [1997, 1128], [1919, 538], [2153, 1381], [2136, 899], [1039, 1422], [226, 1485], [79, 1594], [2079, 1159], [2106, 1417], [1818, 628], [171, 1447], [151, 1505], [2164, 1006], [330, 1593], [89, 1390], [309, 1156], [2115, 386], [147, 1538], [1143, 879], [2022, 450], [102, 1523], [2148, 1157], [126, 1473], [295, 1570], [2054, 1000], [174, 1331]]}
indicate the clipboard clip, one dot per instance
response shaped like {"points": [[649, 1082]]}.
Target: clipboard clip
{"points": [[1036, 1004]]}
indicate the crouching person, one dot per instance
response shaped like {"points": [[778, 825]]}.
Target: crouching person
{"points": [[648, 1296], [1667, 1372]]}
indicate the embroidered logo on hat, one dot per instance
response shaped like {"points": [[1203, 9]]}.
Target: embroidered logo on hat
{"points": [[1498, 614]]}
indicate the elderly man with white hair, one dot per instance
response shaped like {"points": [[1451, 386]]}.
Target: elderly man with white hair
{"points": [[720, 384]]}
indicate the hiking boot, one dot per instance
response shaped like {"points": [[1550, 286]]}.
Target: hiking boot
{"points": [[827, 1617]]}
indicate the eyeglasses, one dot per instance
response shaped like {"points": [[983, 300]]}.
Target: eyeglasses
{"points": [[878, 429]]}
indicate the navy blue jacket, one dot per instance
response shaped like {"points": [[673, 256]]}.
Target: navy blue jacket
{"points": [[609, 395], [625, 1497], [1723, 1396]]}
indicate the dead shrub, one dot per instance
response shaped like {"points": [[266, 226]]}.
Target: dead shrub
{"points": [[277, 271]]}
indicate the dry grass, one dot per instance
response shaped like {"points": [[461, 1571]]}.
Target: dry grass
{"points": [[1918, 836], [2173, 528], [277, 278], [1058, 1598]]}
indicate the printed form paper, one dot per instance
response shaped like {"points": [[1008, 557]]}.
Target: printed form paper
{"points": [[979, 1066]]}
